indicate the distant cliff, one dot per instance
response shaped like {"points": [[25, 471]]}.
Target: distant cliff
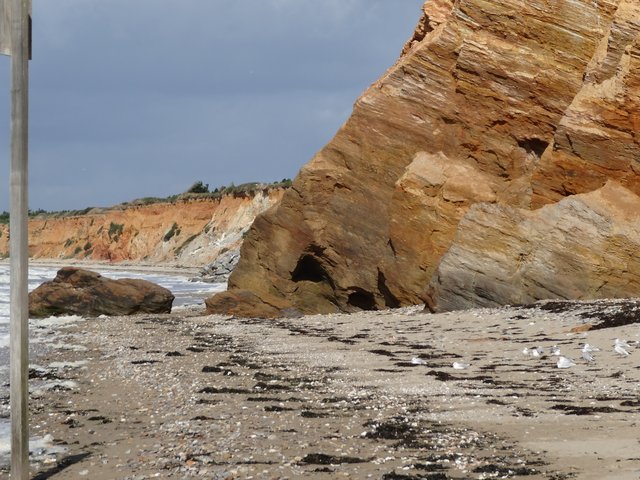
{"points": [[504, 102], [192, 230]]}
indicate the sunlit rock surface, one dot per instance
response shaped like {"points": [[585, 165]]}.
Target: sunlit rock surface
{"points": [[507, 102]]}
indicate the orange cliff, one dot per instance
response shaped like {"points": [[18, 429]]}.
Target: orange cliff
{"points": [[192, 231], [494, 109]]}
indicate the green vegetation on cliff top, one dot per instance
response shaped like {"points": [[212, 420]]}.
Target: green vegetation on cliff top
{"points": [[197, 191]]}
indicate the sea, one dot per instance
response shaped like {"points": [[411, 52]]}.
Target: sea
{"points": [[187, 293]]}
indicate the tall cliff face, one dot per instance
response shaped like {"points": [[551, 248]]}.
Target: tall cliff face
{"points": [[190, 232], [498, 101]]}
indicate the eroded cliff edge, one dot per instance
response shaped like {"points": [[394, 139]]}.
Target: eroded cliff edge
{"points": [[501, 102], [192, 230]]}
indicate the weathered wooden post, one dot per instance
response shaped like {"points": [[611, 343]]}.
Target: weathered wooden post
{"points": [[15, 40]]}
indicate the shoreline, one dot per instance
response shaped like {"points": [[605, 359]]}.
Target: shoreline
{"points": [[136, 267], [367, 395]]}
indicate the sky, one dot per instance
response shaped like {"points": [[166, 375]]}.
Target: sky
{"points": [[138, 98]]}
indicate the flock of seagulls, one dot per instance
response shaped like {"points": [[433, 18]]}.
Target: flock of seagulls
{"points": [[621, 347]]}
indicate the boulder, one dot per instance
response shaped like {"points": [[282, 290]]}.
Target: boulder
{"points": [[583, 247], [514, 103], [75, 291]]}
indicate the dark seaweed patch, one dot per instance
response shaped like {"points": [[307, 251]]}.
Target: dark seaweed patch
{"points": [[324, 459], [385, 353], [442, 376], [626, 313], [270, 387], [276, 408], [310, 414], [215, 390], [424, 476], [578, 410], [396, 428], [505, 472]]}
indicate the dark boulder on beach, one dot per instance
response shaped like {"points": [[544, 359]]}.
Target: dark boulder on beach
{"points": [[75, 291]]}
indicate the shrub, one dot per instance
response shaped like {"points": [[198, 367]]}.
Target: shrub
{"points": [[198, 187], [173, 231], [115, 230]]}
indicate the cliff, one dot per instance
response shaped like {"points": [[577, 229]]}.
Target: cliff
{"points": [[511, 103], [192, 231]]}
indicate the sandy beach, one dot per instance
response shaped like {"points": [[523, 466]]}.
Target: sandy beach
{"points": [[368, 395]]}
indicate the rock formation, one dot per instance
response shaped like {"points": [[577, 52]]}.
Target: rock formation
{"points": [[492, 101], [81, 292], [187, 232], [583, 247]]}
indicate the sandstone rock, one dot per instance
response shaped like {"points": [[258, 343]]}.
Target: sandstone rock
{"points": [[598, 137], [583, 247], [481, 92], [191, 231], [81, 292]]}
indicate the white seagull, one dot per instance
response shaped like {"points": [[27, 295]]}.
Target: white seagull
{"points": [[587, 352], [590, 348], [536, 352], [555, 351], [460, 365], [620, 347], [564, 362]]}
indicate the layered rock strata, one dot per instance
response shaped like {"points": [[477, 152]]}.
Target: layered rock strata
{"points": [[507, 102], [583, 247]]}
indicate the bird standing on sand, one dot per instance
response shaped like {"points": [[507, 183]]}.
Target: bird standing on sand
{"points": [[564, 362], [587, 352], [620, 347]]}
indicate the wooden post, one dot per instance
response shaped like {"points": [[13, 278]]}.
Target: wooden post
{"points": [[19, 49]]}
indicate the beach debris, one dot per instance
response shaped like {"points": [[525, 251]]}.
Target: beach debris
{"points": [[565, 362], [460, 365]]}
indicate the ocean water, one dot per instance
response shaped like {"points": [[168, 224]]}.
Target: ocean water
{"points": [[42, 336]]}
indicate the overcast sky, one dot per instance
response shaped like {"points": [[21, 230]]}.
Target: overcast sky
{"points": [[136, 98]]}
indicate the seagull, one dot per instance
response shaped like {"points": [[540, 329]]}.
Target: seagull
{"points": [[417, 361], [587, 352], [564, 362], [620, 346], [588, 356], [460, 365], [533, 352], [537, 352], [622, 343], [555, 350]]}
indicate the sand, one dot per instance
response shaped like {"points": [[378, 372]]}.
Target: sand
{"points": [[368, 395]]}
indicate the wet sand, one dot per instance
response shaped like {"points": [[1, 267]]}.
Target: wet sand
{"points": [[368, 395]]}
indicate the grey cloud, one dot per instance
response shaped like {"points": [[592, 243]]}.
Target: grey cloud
{"points": [[130, 99]]}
